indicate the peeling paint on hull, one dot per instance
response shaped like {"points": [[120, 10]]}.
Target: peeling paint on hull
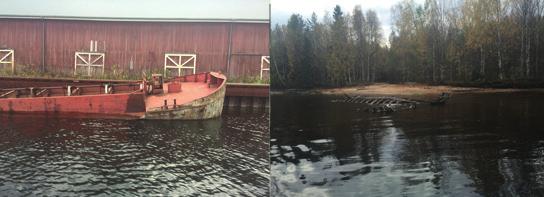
{"points": [[119, 104], [203, 108]]}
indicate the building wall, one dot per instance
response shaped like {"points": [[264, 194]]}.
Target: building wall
{"points": [[142, 43]]}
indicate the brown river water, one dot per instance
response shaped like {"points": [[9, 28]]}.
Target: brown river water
{"points": [[482, 144]]}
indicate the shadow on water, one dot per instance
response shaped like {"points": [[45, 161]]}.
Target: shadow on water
{"points": [[476, 145], [51, 155]]}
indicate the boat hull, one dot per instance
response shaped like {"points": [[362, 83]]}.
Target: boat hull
{"points": [[130, 104], [201, 98], [203, 108]]}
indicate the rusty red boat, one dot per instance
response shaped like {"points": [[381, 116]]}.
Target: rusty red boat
{"points": [[190, 97]]}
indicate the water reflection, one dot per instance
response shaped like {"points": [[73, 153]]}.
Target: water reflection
{"points": [[51, 155], [476, 145]]}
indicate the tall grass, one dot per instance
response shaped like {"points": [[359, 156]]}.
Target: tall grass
{"points": [[113, 73]]}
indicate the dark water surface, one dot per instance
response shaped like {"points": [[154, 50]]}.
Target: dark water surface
{"points": [[48, 155], [476, 145]]}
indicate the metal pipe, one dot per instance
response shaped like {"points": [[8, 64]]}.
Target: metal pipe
{"points": [[229, 52]]}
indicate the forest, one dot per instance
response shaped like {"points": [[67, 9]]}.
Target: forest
{"points": [[438, 42]]}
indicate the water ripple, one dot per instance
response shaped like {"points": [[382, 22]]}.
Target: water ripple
{"points": [[74, 157], [476, 145]]}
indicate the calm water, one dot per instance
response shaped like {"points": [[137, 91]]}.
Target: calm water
{"points": [[46, 155], [476, 145]]}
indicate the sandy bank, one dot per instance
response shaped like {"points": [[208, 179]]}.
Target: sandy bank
{"points": [[408, 90]]}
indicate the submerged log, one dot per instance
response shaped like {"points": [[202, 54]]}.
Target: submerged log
{"points": [[375, 100], [386, 104]]}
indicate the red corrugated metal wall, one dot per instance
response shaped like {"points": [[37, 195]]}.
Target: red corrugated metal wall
{"points": [[245, 54], [142, 43], [25, 36]]}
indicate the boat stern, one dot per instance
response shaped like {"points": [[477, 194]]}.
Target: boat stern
{"points": [[192, 97]]}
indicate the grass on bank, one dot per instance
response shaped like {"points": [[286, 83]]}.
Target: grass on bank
{"points": [[115, 73]]}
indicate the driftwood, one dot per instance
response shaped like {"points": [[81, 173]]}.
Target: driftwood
{"points": [[385, 104]]}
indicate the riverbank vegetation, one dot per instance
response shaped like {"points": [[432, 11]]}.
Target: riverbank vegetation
{"points": [[442, 41], [113, 74]]}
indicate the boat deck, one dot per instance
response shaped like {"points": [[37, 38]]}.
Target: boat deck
{"points": [[190, 91]]}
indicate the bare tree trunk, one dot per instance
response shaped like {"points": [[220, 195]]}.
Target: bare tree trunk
{"points": [[537, 49], [362, 69], [501, 77], [451, 72], [522, 53], [433, 61], [453, 64], [499, 54], [403, 71], [482, 63], [442, 71], [441, 67], [499, 38], [465, 73], [373, 70], [528, 58], [368, 69]]}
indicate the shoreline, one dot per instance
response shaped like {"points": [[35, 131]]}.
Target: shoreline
{"points": [[407, 90]]}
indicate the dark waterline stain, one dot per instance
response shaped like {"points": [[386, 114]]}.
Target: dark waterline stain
{"points": [[51, 155], [475, 145]]}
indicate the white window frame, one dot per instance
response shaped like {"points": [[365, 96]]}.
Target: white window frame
{"points": [[89, 59], [174, 61], [265, 59], [7, 56]]}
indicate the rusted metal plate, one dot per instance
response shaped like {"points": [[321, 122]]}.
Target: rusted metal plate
{"points": [[248, 90], [121, 104]]}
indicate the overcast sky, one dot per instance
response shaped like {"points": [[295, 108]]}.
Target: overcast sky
{"points": [[282, 9], [126, 9]]}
